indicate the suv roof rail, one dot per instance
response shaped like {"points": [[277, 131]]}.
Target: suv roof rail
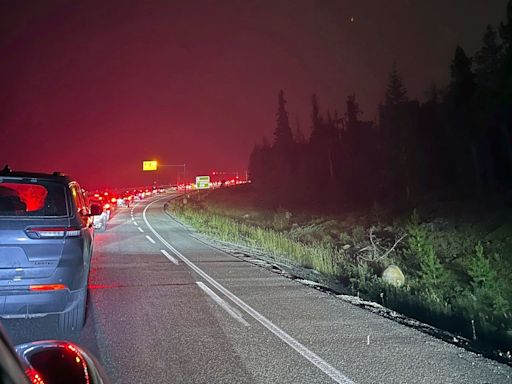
{"points": [[6, 169]]}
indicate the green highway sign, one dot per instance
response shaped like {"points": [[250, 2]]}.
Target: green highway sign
{"points": [[202, 182]]}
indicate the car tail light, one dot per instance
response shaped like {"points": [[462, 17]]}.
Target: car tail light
{"points": [[33, 376], [47, 287], [113, 200], [106, 206], [52, 232]]}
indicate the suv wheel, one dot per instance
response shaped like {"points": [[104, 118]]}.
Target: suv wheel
{"points": [[74, 319]]}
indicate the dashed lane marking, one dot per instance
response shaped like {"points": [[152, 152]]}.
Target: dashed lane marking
{"points": [[228, 308], [171, 259]]}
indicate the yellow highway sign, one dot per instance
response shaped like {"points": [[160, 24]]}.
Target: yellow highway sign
{"points": [[149, 165]]}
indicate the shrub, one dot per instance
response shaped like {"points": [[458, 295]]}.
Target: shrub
{"points": [[358, 235], [344, 238], [434, 281], [487, 287], [434, 278], [281, 219]]}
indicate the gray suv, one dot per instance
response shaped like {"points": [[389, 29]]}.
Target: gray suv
{"points": [[46, 241]]}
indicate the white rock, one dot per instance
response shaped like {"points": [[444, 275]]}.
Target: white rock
{"points": [[393, 275]]}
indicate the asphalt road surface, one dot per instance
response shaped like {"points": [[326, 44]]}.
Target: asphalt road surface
{"points": [[166, 308]]}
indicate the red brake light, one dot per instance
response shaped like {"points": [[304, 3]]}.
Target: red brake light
{"points": [[47, 287], [113, 200], [33, 376], [106, 206], [52, 232]]}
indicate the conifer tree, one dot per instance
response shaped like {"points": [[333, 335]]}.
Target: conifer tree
{"points": [[487, 61], [396, 92], [283, 138], [466, 133]]}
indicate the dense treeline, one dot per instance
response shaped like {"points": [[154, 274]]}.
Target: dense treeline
{"points": [[458, 141]]}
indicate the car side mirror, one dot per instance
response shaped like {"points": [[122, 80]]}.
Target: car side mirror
{"points": [[96, 209], [60, 362]]}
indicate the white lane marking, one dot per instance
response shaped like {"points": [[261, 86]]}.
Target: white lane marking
{"points": [[140, 229], [135, 223], [150, 239], [321, 364], [228, 308], [166, 254]]}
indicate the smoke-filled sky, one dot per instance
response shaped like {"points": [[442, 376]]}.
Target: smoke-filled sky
{"points": [[94, 87]]}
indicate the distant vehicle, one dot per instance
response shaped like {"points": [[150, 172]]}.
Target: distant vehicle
{"points": [[128, 199], [107, 200], [48, 362], [100, 221], [125, 200], [46, 242]]}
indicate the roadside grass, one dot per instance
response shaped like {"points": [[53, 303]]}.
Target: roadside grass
{"points": [[456, 275], [321, 256]]}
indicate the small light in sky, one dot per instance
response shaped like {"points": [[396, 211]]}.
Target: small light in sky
{"points": [[352, 19]]}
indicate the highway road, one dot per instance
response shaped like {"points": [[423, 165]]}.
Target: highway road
{"points": [[167, 308]]}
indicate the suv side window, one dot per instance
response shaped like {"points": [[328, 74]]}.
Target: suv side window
{"points": [[83, 199], [78, 198], [86, 198]]}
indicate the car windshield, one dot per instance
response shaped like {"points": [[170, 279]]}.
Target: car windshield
{"points": [[28, 198]]}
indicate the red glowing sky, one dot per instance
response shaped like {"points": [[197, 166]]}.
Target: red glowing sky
{"points": [[92, 88]]}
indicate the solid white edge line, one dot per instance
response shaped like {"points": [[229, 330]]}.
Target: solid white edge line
{"points": [[140, 229], [150, 239], [228, 308], [166, 254], [321, 364]]}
